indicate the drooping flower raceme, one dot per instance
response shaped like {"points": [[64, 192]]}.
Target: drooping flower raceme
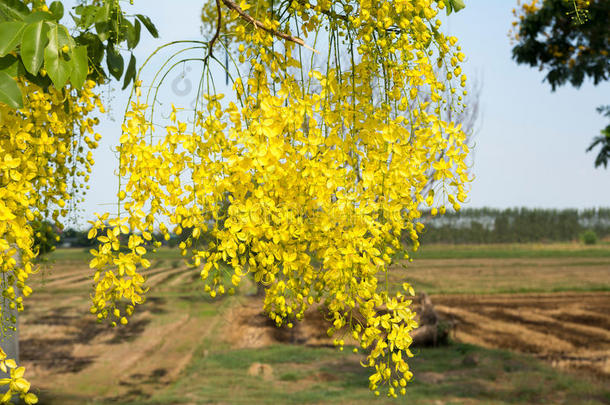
{"points": [[46, 158], [308, 177]]}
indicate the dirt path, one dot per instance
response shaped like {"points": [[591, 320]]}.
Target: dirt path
{"points": [[72, 359]]}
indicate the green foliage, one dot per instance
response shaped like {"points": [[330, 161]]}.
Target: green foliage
{"points": [[589, 237], [524, 225], [569, 50], [9, 91], [11, 33], [76, 238], [34, 44], [45, 237], [454, 5], [603, 141], [56, 64]]}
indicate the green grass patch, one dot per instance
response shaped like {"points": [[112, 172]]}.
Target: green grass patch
{"points": [[289, 377], [67, 255], [276, 354], [431, 251], [325, 375], [506, 251]]}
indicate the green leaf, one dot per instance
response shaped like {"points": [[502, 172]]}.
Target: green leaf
{"points": [[95, 47], [130, 34], [38, 16], [148, 24], [457, 5], [57, 9], [80, 66], [33, 42], [104, 13], [137, 29], [114, 61], [11, 10], [130, 74], [58, 68], [87, 15], [103, 30], [10, 35], [102, 21], [10, 93], [9, 64]]}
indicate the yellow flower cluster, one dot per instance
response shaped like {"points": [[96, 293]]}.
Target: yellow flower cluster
{"points": [[17, 385], [45, 158], [124, 282], [307, 182]]}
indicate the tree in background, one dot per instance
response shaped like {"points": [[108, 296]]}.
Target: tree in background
{"points": [[512, 225], [603, 140], [570, 40], [300, 165], [45, 237]]}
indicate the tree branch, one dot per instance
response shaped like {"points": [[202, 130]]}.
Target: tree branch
{"points": [[217, 33], [233, 6]]}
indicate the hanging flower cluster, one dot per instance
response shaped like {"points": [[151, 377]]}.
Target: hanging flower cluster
{"points": [[308, 178], [17, 385], [46, 160]]}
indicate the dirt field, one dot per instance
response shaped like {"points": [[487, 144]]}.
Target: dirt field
{"points": [[572, 331], [63, 347], [502, 275]]}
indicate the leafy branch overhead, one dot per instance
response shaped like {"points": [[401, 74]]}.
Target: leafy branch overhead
{"points": [[570, 41], [35, 45], [550, 38]]}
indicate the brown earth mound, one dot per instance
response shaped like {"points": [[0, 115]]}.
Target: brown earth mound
{"points": [[248, 326]]}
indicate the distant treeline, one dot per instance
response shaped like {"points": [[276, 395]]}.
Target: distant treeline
{"points": [[516, 225], [475, 225], [75, 238]]}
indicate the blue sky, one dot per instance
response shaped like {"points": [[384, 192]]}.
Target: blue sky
{"points": [[530, 147], [530, 150]]}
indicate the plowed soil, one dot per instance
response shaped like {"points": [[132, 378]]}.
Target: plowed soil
{"points": [[570, 330]]}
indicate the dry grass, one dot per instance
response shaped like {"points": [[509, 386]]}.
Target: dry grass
{"points": [[458, 276]]}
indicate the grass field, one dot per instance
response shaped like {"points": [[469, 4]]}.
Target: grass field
{"points": [[177, 349], [513, 251], [434, 251], [505, 275], [320, 375]]}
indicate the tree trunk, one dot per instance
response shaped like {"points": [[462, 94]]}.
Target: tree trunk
{"points": [[10, 339]]}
